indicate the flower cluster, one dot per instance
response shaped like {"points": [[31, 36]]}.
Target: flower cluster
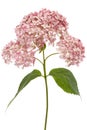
{"points": [[40, 28], [22, 54], [71, 49]]}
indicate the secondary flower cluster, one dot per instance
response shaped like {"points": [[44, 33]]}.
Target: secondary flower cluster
{"points": [[40, 28], [71, 49]]}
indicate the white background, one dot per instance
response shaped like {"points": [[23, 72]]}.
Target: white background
{"points": [[66, 112]]}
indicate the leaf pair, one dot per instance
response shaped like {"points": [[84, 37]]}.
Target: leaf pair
{"points": [[63, 77]]}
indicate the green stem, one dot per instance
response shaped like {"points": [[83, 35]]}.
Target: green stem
{"points": [[51, 55], [45, 78], [39, 60]]}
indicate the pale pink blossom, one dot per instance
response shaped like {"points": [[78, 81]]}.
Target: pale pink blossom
{"points": [[71, 49], [43, 26], [20, 54], [37, 30]]}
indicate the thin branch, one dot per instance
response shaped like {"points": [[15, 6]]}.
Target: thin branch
{"points": [[39, 60], [51, 55]]}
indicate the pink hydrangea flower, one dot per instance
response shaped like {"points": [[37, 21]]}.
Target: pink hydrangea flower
{"points": [[42, 26], [71, 49], [22, 55], [35, 31]]}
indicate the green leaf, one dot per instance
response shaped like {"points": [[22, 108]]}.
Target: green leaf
{"points": [[34, 74], [65, 80]]}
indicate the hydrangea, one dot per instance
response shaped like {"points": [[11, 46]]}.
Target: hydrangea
{"points": [[34, 34], [71, 49], [35, 31]]}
